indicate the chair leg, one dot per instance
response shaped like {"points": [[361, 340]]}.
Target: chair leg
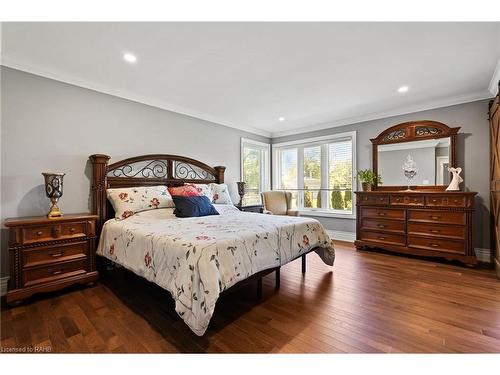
{"points": [[259, 288], [304, 263], [278, 278]]}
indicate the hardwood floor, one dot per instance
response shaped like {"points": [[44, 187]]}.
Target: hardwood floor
{"points": [[368, 302]]}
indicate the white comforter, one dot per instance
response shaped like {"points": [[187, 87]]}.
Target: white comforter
{"points": [[197, 258]]}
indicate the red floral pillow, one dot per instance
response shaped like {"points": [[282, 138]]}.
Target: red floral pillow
{"points": [[184, 191]]}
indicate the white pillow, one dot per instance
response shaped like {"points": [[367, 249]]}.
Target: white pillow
{"points": [[203, 189], [220, 194], [128, 201]]}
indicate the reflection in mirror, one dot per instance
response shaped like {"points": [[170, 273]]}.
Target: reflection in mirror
{"points": [[431, 158]]}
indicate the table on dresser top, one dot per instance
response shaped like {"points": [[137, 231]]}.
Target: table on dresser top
{"points": [[426, 222], [50, 254]]}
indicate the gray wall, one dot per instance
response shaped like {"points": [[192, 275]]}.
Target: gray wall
{"points": [[51, 126], [472, 151], [390, 166]]}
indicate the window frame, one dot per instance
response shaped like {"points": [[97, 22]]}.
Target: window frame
{"points": [[322, 141], [265, 165]]}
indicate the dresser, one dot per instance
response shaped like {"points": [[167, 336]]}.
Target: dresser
{"points": [[411, 212], [427, 223], [50, 254]]}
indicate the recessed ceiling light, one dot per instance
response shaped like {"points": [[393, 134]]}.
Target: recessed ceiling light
{"points": [[130, 58], [281, 119], [403, 89]]}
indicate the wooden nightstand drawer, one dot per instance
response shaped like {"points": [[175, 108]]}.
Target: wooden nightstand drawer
{"points": [[39, 233], [50, 232], [53, 254], [53, 272], [74, 229]]}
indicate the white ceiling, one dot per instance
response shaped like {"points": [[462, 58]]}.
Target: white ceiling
{"points": [[247, 75]]}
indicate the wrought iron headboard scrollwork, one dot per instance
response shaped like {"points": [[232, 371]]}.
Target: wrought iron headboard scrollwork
{"points": [[145, 170]]}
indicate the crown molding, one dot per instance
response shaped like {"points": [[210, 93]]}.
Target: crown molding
{"points": [[434, 104], [124, 94], [493, 86]]}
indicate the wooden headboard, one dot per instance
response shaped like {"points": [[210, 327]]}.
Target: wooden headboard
{"points": [[145, 170]]}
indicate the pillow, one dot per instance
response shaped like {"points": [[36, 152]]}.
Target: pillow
{"points": [[203, 189], [193, 206], [220, 194], [184, 191], [128, 201]]}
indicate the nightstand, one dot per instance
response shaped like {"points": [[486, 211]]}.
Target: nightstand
{"points": [[50, 254], [250, 208]]}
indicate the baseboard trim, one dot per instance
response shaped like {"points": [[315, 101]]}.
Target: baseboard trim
{"points": [[483, 255], [4, 281], [341, 235]]}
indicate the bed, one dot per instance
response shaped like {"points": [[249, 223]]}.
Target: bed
{"points": [[198, 258]]}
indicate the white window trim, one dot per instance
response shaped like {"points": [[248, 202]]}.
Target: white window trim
{"points": [[309, 142], [264, 167]]}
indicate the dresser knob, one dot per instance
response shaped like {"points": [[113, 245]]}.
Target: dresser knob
{"points": [[381, 226], [381, 238], [39, 233], [56, 255], [55, 272], [415, 200], [434, 244], [72, 230], [381, 214], [434, 200], [435, 231], [435, 217]]}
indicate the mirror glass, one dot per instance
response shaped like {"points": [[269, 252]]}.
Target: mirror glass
{"points": [[422, 162]]}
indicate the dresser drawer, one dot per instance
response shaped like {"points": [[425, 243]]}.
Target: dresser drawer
{"points": [[407, 200], [394, 239], [383, 213], [374, 199], [445, 201], [443, 217], [49, 232], [437, 230], [435, 244], [383, 225], [53, 272], [53, 254]]}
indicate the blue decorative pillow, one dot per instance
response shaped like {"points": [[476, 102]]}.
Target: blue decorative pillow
{"points": [[193, 206]]}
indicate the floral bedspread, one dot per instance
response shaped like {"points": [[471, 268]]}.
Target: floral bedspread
{"points": [[198, 258]]}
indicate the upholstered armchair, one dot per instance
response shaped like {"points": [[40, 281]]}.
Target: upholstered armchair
{"points": [[278, 203]]}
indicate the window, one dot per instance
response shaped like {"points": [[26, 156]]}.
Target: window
{"points": [[319, 172], [255, 169]]}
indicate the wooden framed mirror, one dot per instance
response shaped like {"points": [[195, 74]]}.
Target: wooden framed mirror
{"points": [[431, 147]]}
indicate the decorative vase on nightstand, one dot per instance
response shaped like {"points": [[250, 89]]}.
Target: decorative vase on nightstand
{"points": [[54, 191], [241, 191]]}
